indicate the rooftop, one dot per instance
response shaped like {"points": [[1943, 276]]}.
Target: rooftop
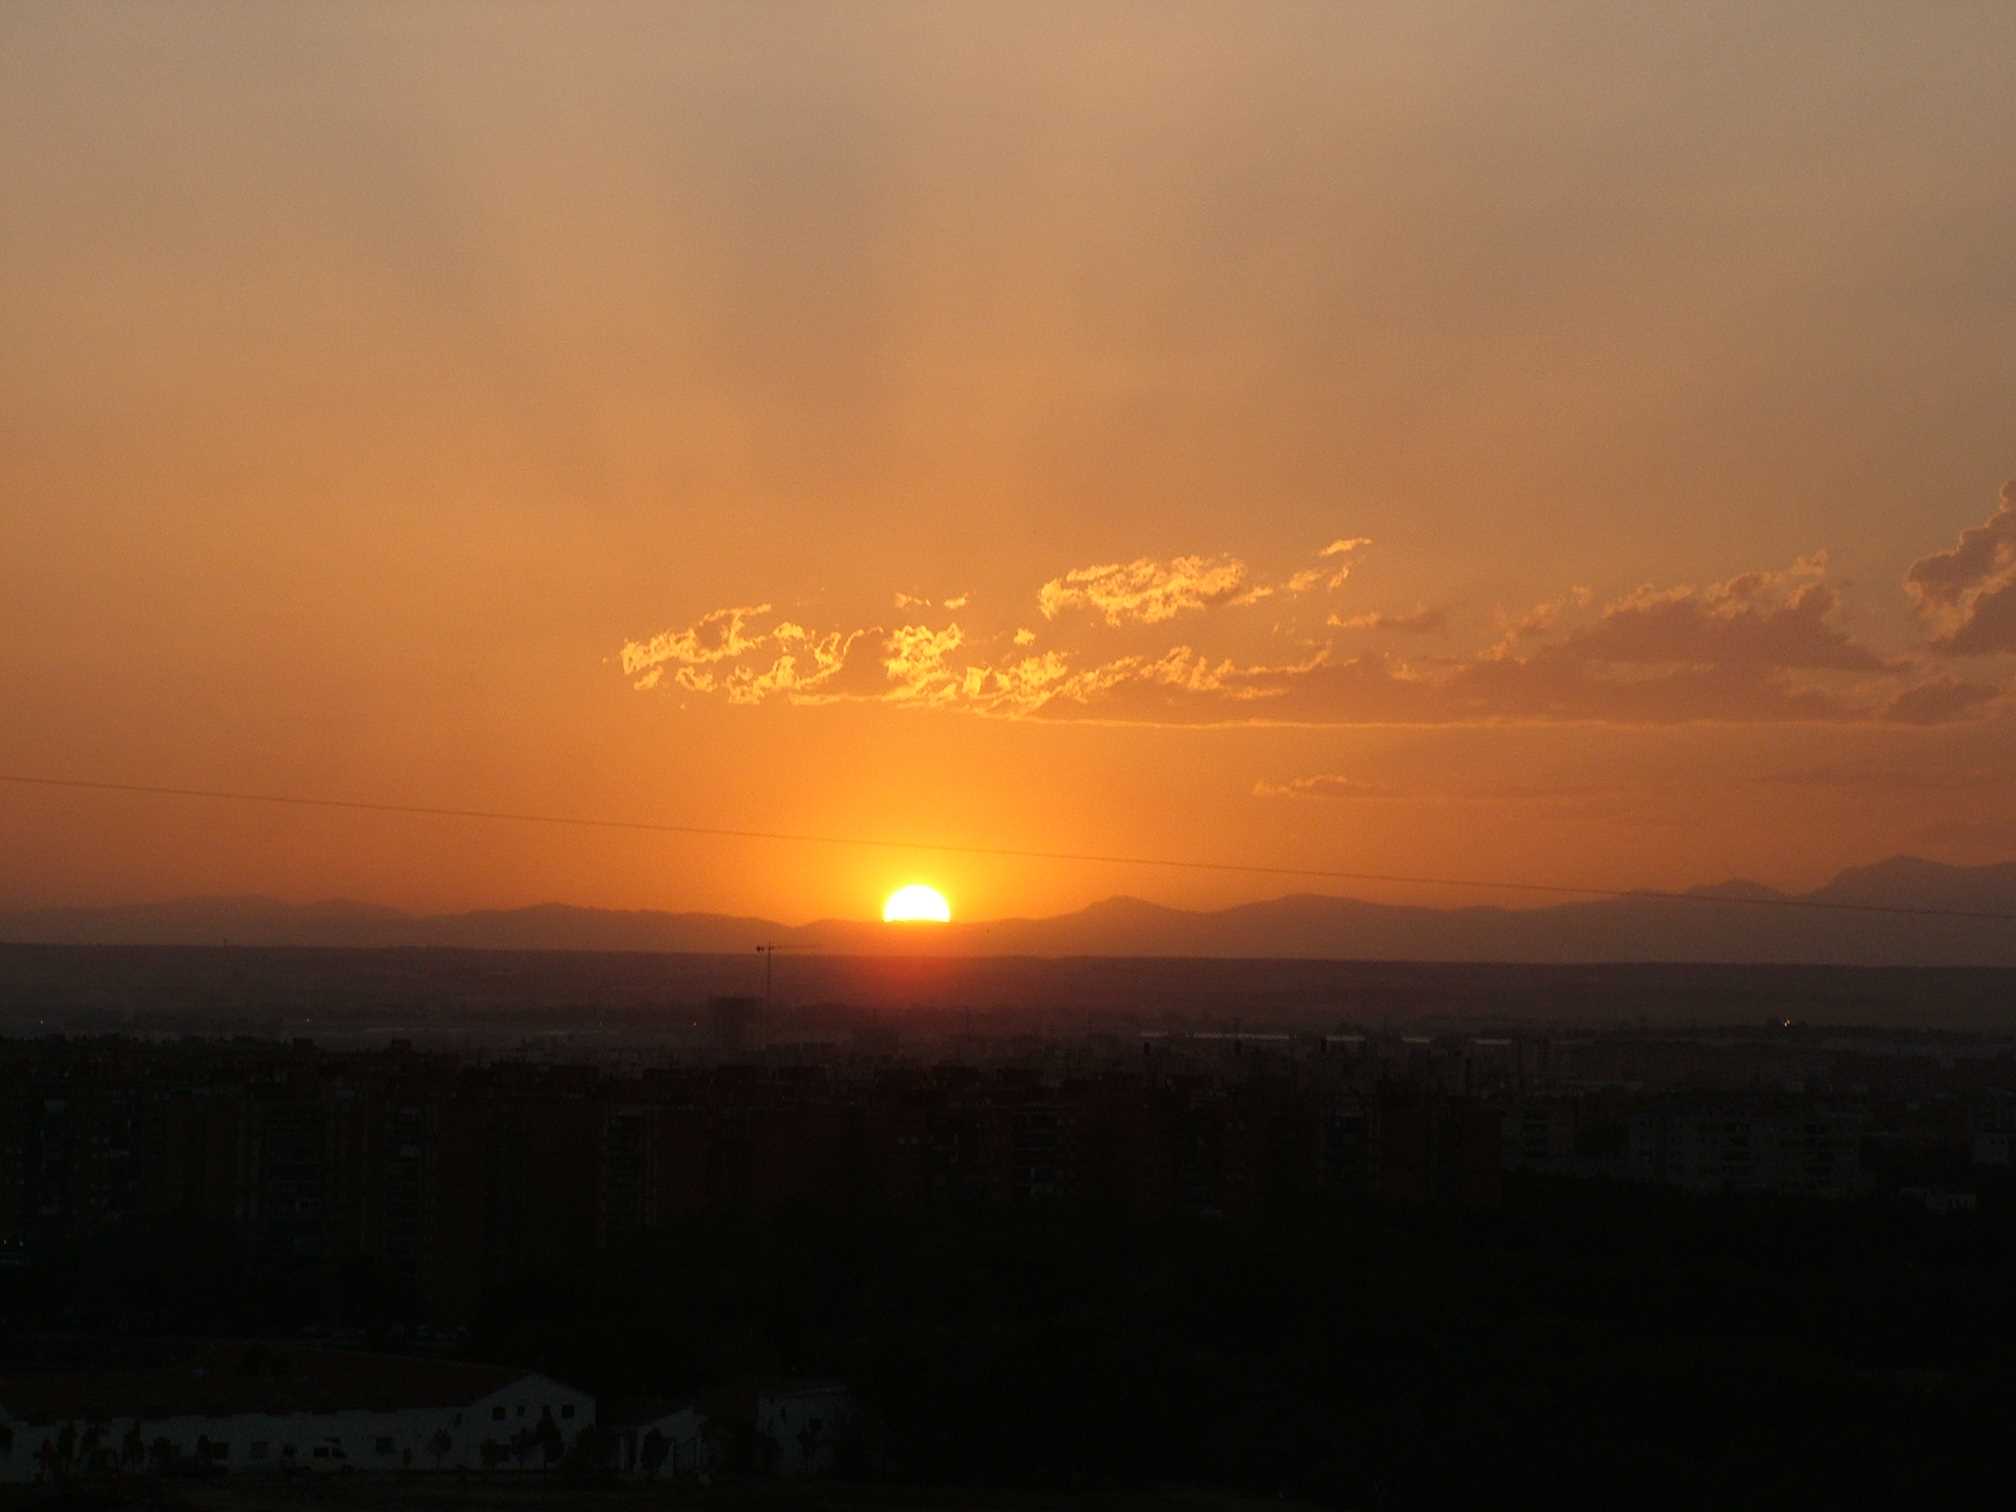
{"points": [[224, 1379]]}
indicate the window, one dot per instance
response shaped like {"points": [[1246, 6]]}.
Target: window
{"points": [[567, 1410], [384, 1443], [260, 1448], [218, 1450], [497, 1413], [521, 1409]]}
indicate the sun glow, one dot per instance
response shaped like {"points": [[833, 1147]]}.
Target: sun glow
{"points": [[916, 904]]}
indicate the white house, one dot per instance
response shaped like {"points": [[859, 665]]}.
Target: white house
{"points": [[253, 1407]]}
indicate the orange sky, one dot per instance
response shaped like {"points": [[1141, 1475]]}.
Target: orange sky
{"points": [[929, 422]]}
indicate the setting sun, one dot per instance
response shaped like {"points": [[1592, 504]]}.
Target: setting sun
{"points": [[916, 904]]}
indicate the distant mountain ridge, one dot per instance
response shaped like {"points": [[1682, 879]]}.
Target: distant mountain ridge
{"points": [[1730, 922], [1298, 925]]}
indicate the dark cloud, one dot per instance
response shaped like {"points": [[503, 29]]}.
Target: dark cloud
{"points": [[1562, 683], [1967, 596], [1940, 702], [1989, 627], [1760, 619]]}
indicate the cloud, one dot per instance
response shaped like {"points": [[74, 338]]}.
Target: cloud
{"points": [[1339, 553], [1185, 687], [1761, 647], [1420, 622], [1761, 619], [1322, 785], [1967, 596], [1541, 620], [1535, 800], [1562, 684], [1022, 684], [1145, 591], [1990, 626], [719, 655], [1940, 702], [715, 637], [1151, 590], [935, 666], [915, 660], [807, 672]]}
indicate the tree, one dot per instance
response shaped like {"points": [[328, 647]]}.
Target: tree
{"points": [[656, 1447], [722, 1443], [60, 1455], [440, 1446], [589, 1451], [811, 1441], [552, 1443]]}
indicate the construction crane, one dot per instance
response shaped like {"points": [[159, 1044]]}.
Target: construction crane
{"points": [[769, 954]]}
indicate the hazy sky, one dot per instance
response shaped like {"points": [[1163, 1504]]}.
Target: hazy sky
{"points": [[1539, 440]]}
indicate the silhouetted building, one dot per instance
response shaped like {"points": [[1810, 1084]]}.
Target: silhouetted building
{"points": [[1736, 1144], [733, 1021], [252, 1407]]}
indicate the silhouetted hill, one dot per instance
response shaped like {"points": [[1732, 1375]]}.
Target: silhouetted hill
{"points": [[1911, 882], [1736, 921], [1739, 889]]}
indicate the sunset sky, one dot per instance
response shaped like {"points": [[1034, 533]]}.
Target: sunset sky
{"points": [[1554, 441]]}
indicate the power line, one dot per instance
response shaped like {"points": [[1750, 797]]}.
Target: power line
{"points": [[433, 811]]}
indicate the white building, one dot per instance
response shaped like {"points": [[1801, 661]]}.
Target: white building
{"points": [[254, 1407]]}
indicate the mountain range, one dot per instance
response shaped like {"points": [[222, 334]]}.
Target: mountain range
{"points": [[1733, 921]]}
